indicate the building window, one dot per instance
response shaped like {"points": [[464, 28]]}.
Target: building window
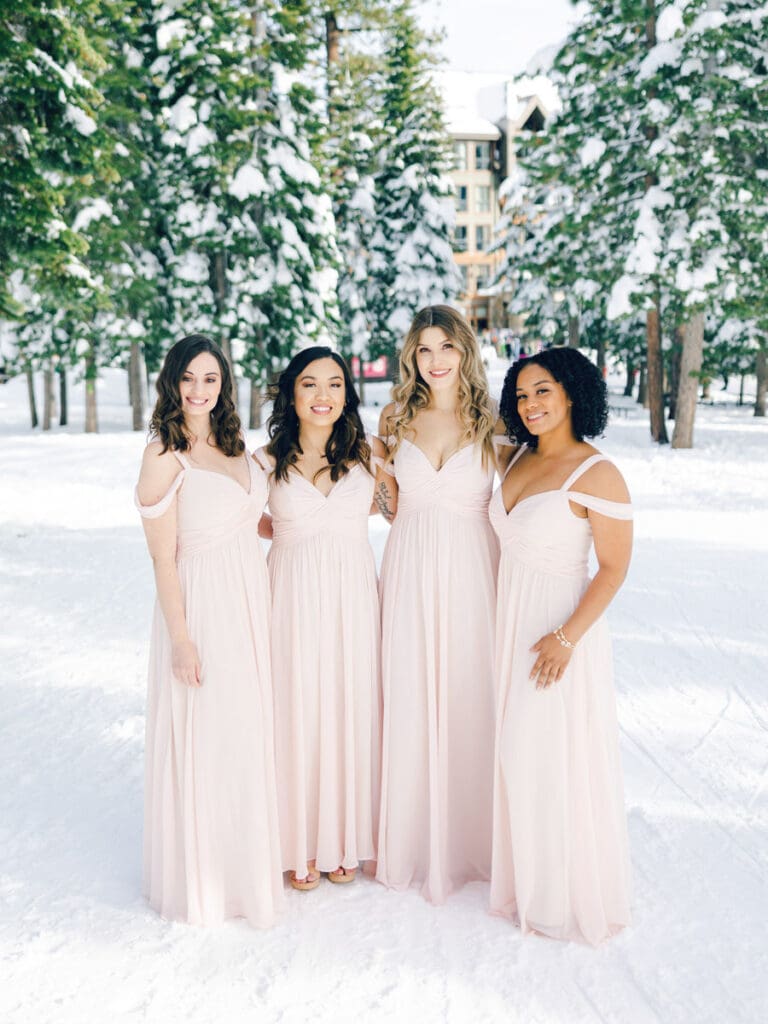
{"points": [[483, 277], [460, 156], [483, 198], [482, 156], [461, 197], [460, 237], [464, 277], [482, 236]]}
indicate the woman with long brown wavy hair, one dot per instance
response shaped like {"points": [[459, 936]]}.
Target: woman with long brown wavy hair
{"points": [[438, 598], [325, 615], [211, 847]]}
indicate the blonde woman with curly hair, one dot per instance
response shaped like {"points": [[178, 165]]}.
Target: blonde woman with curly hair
{"points": [[438, 592]]}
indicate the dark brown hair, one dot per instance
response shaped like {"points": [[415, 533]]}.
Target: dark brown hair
{"points": [[347, 444], [167, 423]]}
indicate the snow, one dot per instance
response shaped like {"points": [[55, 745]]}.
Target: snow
{"points": [[77, 943], [81, 121], [247, 182]]}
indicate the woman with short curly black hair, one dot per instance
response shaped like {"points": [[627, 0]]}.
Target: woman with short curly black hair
{"points": [[560, 852], [582, 381]]}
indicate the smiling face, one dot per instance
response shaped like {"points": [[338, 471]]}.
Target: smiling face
{"points": [[200, 386], [438, 359], [542, 402], [319, 393]]}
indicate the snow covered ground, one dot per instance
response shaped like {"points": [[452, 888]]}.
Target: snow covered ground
{"points": [[77, 943]]}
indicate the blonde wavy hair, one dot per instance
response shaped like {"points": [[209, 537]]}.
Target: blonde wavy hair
{"points": [[475, 408]]}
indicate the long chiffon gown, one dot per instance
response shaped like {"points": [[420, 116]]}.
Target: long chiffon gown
{"points": [[211, 848], [438, 605], [560, 850], [325, 657]]}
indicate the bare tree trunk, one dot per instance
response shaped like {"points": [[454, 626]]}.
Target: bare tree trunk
{"points": [[91, 416], [629, 386], [741, 389], [655, 376], [254, 417], [761, 371], [674, 370], [31, 395], [601, 353], [63, 396], [136, 384], [573, 331], [642, 387], [49, 398], [690, 366]]}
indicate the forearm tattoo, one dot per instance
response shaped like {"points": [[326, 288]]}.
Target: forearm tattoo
{"points": [[382, 499]]}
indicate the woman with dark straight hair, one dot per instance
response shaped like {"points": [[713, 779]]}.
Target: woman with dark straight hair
{"points": [[325, 634], [211, 846]]}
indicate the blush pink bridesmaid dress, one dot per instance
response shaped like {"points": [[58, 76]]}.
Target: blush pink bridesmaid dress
{"points": [[560, 850], [325, 659], [438, 586], [211, 847]]}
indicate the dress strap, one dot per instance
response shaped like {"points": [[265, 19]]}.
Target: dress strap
{"points": [[515, 457], [182, 459], [582, 468]]}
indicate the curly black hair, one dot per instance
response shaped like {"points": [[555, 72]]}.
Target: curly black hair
{"points": [[583, 383], [347, 444], [167, 422]]}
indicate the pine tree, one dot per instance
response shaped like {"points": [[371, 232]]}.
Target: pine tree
{"points": [[252, 230], [412, 261]]}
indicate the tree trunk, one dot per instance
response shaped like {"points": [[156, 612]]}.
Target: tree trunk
{"points": [[254, 417], [741, 389], [761, 371], [63, 397], [601, 354], [31, 395], [91, 417], [690, 366], [629, 387], [674, 370], [655, 362], [136, 385], [49, 398], [642, 387], [573, 332]]}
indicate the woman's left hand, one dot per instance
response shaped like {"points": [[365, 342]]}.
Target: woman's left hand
{"points": [[552, 660]]}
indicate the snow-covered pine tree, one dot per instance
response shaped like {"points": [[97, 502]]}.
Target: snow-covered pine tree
{"points": [[353, 30], [253, 229], [412, 260], [51, 152]]}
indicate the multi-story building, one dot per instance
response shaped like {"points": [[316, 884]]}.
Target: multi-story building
{"points": [[484, 114]]}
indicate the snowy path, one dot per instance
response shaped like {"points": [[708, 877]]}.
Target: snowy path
{"points": [[77, 943]]}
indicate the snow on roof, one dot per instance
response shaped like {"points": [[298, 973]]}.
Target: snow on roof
{"points": [[477, 102]]}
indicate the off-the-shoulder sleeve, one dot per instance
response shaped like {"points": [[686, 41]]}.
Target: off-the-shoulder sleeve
{"points": [[162, 506], [612, 509]]}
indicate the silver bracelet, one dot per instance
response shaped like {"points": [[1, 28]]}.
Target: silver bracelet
{"points": [[562, 638]]}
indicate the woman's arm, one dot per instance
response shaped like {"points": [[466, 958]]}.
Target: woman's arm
{"points": [[613, 549], [503, 447], [385, 489], [157, 475]]}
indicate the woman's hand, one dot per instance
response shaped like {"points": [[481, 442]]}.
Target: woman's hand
{"points": [[186, 663], [551, 662]]}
